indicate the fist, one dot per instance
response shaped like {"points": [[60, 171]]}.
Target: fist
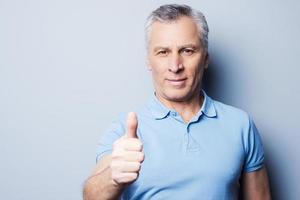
{"points": [[127, 154]]}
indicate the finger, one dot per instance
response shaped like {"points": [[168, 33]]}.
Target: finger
{"points": [[125, 177], [130, 167], [134, 156], [127, 144], [133, 144], [132, 124]]}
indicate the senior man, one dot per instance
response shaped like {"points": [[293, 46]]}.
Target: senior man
{"points": [[182, 144]]}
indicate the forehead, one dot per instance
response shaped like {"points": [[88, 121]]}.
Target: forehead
{"points": [[176, 33]]}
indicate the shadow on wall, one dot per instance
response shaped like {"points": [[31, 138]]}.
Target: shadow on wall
{"points": [[212, 80], [216, 80], [274, 179], [219, 83]]}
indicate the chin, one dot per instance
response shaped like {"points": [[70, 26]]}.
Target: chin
{"points": [[177, 96]]}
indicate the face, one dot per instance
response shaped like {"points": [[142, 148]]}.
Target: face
{"points": [[176, 59]]}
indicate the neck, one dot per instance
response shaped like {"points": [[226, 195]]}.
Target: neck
{"points": [[187, 109]]}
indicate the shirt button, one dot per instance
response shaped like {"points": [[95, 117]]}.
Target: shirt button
{"points": [[174, 113]]}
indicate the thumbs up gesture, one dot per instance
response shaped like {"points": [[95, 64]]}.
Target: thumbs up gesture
{"points": [[132, 124], [127, 154]]}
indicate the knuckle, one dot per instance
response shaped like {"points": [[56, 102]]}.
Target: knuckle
{"points": [[139, 142], [139, 145], [141, 157], [134, 176], [137, 166]]}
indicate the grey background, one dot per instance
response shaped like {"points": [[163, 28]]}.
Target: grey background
{"points": [[67, 68]]}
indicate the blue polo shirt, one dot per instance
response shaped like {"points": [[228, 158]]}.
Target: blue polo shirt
{"points": [[202, 159]]}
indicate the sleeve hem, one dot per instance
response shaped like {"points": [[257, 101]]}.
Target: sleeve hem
{"points": [[253, 168], [103, 153]]}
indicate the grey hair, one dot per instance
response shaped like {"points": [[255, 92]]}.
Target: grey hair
{"points": [[172, 12]]}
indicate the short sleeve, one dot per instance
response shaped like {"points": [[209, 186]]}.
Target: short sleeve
{"points": [[110, 135], [254, 152]]}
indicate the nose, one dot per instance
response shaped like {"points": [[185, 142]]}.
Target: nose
{"points": [[175, 63]]}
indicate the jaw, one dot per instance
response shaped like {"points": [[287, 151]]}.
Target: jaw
{"points": [[174, 94]]}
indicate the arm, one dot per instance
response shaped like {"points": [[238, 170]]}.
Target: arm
{"points": [[100, 185], [255, 185], [118, 169]]}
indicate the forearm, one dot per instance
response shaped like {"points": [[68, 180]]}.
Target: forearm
{"points": [[256, 186], [99, 186]]}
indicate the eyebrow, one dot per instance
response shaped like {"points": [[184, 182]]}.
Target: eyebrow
{"points": [[194, 46]]}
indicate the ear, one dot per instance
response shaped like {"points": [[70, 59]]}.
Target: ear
{"points": [[206, 61], [148, 64]]}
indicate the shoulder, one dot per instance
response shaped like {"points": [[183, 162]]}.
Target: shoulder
{"points": [[237, 119], [118, 124], [147, 110], [231, 114]]}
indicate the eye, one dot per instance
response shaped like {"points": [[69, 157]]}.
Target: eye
{"points": [[187, 51], [162, 53]]}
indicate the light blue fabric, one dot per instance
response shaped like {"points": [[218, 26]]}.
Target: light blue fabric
{"points": [[202, 159]]}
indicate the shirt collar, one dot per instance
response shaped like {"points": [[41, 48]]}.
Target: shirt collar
{"points": [[160, 111], [208, 107]]}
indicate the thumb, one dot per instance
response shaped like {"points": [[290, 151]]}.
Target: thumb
{"points": [[132, 124]]}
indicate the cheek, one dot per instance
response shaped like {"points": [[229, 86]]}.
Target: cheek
{"points": [[196, 74], [200, 73], [157, 75], [158, 71]]}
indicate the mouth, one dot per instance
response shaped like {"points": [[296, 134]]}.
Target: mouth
{"points": [[177, 82]]}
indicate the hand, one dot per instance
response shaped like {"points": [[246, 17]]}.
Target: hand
{"points": [[127, 154]]}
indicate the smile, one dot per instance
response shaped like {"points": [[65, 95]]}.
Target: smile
{"points": [[177, 82]]}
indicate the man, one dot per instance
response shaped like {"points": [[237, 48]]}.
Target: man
{"points": [[182, 144]]}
